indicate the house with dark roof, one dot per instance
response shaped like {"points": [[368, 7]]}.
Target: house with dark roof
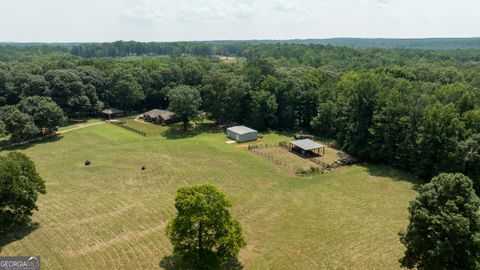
{"points": [[161, 117], [242, 134]]}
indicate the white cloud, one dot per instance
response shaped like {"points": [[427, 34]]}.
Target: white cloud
{"points": [[215, 10], [190, 10], [384, 3], [167, 20], [147, 10], [289, 6]]}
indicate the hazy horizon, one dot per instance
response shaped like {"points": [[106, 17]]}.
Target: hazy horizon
{"points": [[212, 20], [239, 40]]}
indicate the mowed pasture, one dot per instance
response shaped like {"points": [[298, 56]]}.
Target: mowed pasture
{"points": [[112, 215]]}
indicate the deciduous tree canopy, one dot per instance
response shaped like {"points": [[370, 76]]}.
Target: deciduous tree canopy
{"points": [[204, 233], [20, 186], [444, 229]]}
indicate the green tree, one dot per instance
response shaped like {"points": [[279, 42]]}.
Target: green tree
{"points": [[20, 186], [358, 98], [472, 121], [444, 229], [204, 233], [214, 93], [3, 129], [262, 110], [470, 149], [459, 94], [68, 91], [185, 102], [19, 125], [124, 90], [438, 137], [44, 111], [395, 124], [325, 121], [235, 99]]}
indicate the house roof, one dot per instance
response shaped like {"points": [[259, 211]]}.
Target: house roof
{"points": [[165, 115], [111, 111], [307, 144], [241, 130]]}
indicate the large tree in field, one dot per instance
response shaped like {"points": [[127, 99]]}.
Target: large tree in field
{"points": [[444, 229], [20, 186], [185, 102], [44, 111], [203, 233], [19, 125]]}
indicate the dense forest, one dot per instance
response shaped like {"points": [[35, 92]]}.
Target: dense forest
{"points": [[424, 43], [415, 109]]}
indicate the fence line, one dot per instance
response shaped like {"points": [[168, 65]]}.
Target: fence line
{"points": [[129, 128], [298, 171], [321, 163]]}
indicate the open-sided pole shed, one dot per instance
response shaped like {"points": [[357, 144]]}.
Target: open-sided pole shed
{"points": [[112, 113], [308, 146]]}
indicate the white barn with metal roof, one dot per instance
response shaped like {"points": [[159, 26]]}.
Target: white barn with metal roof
{"points": [[242, 134]]}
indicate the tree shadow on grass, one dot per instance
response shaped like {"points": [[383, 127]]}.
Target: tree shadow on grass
{"points": [[28, 144], [7, 237], [396, 174], [71, 122], [173, 262], [176, 131]]}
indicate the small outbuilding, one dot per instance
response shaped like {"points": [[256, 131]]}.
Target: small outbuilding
{"points": [[307, 147], [242, 134], [162, 117], [112, 113]]}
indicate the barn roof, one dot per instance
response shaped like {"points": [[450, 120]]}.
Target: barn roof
{"points": [[307, 144], [241, 130], [111, 111], [165, 115]]}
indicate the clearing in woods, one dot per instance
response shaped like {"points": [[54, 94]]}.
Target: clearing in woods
{"points": [[112, 215]]}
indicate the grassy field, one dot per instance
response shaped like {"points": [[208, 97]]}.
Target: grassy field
{"points": [[112, 215], [77, 124]]}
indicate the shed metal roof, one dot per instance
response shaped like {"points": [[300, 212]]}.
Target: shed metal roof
{"points": [[242, 130], [307, 144], [165, 115], [112, 111]]}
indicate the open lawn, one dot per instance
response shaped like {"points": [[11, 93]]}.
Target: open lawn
{"points": [[112, 215], [75, 124]]}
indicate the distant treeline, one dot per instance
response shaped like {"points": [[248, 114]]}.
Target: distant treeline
{"points": [[303, 50], [415, 43], [309, 52]]}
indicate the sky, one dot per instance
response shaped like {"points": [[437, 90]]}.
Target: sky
{"points": [[189, 20]]}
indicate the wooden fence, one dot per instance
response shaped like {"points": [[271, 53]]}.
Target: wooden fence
{"points": [[263, 145], [298, 171], [319, 162], [118, 124]]}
